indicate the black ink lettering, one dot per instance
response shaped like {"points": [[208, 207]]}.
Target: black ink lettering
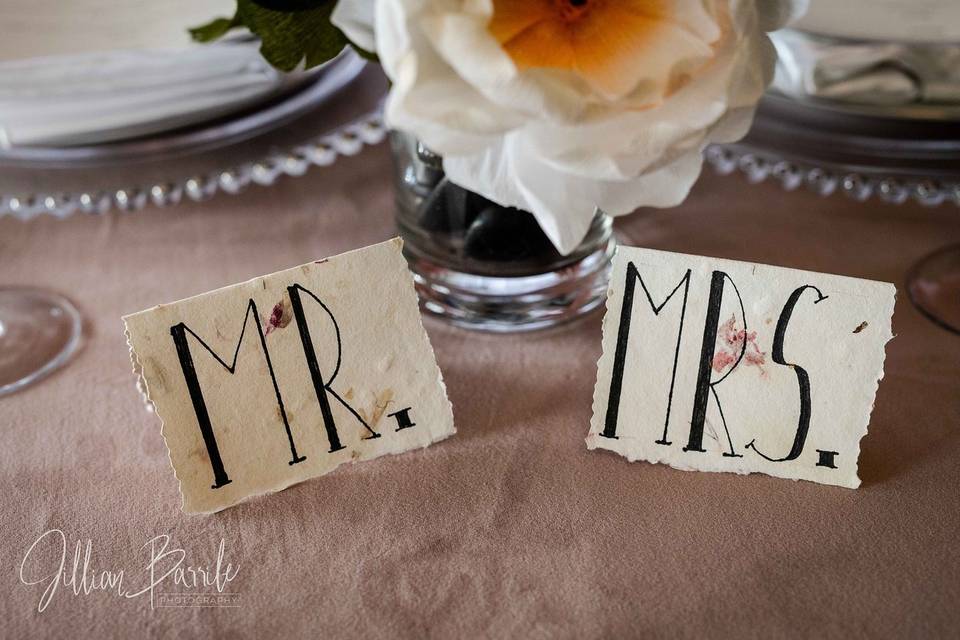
{"points": [[179, 333], [803, 379], [321, 388], [827, 459], [403, 419], [623, 340], [706, 388]]}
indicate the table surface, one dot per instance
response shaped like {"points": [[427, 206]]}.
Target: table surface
{"points": [[510, 528]]}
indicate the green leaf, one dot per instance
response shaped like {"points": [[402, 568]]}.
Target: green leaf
{"points": [[214, 29], [291, 37], [363, 53], [289, 5]]}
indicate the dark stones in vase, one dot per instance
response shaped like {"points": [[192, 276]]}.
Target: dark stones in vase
{"points": [[501, 234], [488, 231], [450, 209]]}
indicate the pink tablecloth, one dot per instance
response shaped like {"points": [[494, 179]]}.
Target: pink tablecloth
{"points": [[511, 528]]}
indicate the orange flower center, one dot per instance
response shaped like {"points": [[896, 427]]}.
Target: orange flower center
{"points": [[599, 40], [572, 10]]}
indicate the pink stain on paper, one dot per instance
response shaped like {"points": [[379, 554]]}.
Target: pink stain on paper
{"points": [[278, 319], [730, 342]]}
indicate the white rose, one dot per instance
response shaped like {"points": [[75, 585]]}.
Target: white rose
{"points": [[561, 107]]}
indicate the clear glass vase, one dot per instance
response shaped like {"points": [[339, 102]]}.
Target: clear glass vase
{"points": [[483, 266]]}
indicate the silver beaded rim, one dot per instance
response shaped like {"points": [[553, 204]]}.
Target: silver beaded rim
{"points": [[323, 151], [826, 181], [369, 130]]}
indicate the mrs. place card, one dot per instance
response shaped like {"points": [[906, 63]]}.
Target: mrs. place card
{"points": [[717, 365], [283, 378]]}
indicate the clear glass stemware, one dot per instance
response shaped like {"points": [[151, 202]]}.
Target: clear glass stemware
{"points": [[934, 287], [39, 332]]}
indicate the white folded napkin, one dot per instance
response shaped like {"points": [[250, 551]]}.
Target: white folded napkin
{"points": [[867, 73], [99, 97]]}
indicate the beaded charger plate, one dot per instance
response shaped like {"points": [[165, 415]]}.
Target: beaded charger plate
{"points": [[312, 125], [829, 151]]}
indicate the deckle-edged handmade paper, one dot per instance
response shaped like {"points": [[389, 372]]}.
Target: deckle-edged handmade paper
{"points": [[283, 378], [717, 365]]}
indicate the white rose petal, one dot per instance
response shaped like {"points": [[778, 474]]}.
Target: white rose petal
{"points": [[564, 131], [355, 19]]}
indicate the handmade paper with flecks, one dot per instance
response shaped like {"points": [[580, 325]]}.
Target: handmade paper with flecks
{"points": [[356, 360], [717, 365]]}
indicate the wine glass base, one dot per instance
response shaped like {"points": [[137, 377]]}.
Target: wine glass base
{"points": [[39, 332], [934, 287]]}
